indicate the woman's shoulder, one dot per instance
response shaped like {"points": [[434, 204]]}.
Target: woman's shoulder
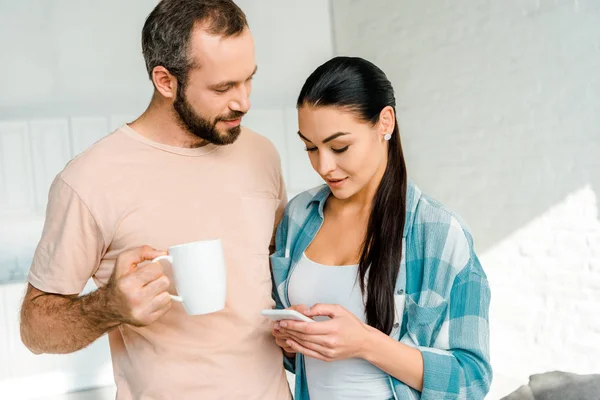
{"points": [[430, 212], [441, 247], [442, 233], [299, 206]]}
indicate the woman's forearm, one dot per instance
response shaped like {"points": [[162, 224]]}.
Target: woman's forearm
{"points": [[399, 360]]}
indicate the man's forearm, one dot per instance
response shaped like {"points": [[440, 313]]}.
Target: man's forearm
{"points": [[59, 324]]}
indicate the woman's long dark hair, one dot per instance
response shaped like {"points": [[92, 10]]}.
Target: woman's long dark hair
{"points": [[358, 86]]}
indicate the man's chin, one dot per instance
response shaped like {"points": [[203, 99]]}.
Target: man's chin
{"points": [[228, 136]]}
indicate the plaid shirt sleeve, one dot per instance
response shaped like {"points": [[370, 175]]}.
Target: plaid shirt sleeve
{"points": [[462, 370], [449, 325]]}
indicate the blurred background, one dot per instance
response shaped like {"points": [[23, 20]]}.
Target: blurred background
{"points": [[499, 112]]}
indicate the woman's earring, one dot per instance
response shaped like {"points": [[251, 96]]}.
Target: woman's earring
{"points": [[387, 136]]}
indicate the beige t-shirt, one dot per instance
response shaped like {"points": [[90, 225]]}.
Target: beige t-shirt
{"points": [[126, 191]]}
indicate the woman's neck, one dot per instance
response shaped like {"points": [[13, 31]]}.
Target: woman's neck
{"points": [[360, 203]]}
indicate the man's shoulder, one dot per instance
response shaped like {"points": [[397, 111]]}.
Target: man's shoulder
{"points": [[259, 143], [91, 164]]}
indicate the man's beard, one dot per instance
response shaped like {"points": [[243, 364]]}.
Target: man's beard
{"points": [[201, 127]]}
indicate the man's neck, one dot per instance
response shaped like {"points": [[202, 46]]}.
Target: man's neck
{"points": [[159, 124]]}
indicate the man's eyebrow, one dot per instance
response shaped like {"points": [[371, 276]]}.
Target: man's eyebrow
{"points": [[231, 83]]}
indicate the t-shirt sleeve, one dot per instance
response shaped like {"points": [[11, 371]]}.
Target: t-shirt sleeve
{"points": [[71, 246]]}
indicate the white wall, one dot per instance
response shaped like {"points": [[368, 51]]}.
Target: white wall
{"points": [[66, 57], [72, 72], [498, 107]]}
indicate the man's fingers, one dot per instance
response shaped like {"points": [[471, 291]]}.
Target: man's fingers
{"points": [[147, 253], [159, 285], [140, 254], [149, 273], [161, 301], [159, 313], [128, 260]]}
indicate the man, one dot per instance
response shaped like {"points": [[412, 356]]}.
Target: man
{"points": [[184, 171]]}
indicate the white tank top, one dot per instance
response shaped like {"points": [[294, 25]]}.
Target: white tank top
{"points": [[353, 378]]}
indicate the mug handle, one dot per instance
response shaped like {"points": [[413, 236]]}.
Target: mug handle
{"points": [[169, 259]]}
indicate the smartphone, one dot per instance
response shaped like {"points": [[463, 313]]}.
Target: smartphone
{"points": [[278, 315]]}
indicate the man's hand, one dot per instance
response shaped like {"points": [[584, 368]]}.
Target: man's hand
{"points": [[59, 324], [138, 295]]}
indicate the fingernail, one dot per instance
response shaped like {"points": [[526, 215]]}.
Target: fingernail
{"points": [[283, 324]]}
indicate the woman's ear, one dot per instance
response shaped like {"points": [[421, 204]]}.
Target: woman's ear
{"points": [[387, 122]]}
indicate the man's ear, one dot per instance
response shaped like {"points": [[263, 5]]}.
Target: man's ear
{"points": [[164, 82]]}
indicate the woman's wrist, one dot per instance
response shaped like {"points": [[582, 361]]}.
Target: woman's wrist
{"points": [[369, 343]]}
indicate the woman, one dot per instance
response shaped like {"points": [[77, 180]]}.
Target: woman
{"points": [[390, 276]]}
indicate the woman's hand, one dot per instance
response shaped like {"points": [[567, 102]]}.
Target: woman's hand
{"points": [[343, 336], [281, 338]]}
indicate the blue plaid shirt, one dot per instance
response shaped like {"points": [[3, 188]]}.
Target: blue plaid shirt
{"points": [[442, 295]]}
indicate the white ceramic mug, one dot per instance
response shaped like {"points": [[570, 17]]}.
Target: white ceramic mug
{"points": [[199, 274]]}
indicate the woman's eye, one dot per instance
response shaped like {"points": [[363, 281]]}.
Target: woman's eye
{"points": [[310, 149], [343, 149]]}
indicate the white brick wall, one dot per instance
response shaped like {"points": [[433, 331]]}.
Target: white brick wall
{"points": [[498, 106]]}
